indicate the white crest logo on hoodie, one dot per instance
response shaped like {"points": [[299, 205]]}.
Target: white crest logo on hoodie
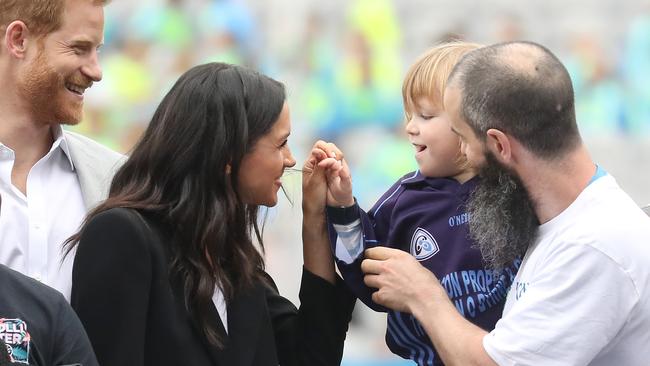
{"points": [[423, 245]]}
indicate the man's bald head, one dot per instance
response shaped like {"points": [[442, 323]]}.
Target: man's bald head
{"points": [[521, 89]]}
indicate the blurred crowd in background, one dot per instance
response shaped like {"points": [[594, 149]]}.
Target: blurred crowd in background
{"points": [[343, 62]]}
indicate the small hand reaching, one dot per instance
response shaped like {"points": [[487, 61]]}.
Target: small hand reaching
{"points": [[337, 173], [324, 161]]}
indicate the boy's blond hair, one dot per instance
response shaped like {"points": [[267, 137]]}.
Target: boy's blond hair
{"points": [[427, 77]]}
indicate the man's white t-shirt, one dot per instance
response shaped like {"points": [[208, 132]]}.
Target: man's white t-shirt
{"points": [[582, 294]]}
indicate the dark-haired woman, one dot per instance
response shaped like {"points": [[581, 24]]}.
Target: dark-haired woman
{"points": [[167, 272]]}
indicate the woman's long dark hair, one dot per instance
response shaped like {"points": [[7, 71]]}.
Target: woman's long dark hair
{"points": [[184, 171]]}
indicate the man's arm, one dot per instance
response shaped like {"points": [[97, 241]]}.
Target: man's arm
{"points": [[404, 285]]}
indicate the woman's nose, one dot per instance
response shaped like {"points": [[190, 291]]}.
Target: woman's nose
{"points": [[289, 160]]}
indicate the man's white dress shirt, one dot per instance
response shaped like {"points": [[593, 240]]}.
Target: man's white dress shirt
{"points": [[33, 226]]}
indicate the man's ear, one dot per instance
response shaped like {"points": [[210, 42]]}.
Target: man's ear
{"points": [[500, 145], [15, 40]]}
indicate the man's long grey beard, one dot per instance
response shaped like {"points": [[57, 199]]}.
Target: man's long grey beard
{"points": [[502, 222]]}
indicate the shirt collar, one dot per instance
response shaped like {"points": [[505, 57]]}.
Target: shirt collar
{"points": [[445, 184], [62, 142], [59, 141], [415, 177], [3, 149]]}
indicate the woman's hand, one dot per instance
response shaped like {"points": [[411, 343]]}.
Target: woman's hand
{"points": [[321, 169], [317, 254], [327, 172]]}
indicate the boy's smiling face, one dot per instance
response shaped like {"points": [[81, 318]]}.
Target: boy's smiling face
{"points": [[437, 148]]}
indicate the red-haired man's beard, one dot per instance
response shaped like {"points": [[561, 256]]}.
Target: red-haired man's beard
{"points": [[46, 94]]}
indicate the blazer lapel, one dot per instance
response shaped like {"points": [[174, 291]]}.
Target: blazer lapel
{"points": [[220, 357], [244, 314], [92, 193], [94, 165], [86, 173], [244, 319]]}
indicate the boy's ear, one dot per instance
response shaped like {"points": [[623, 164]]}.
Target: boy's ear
{"points": [[16, 38], [500, 145]]}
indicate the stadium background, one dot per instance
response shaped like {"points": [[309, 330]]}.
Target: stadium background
{"points": [[343, 61]]}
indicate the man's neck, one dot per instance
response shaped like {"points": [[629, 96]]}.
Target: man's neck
{"points": [[29, 140], [554, 185]]}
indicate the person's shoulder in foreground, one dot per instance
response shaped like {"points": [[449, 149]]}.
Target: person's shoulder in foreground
{"points": [[38, 326]]}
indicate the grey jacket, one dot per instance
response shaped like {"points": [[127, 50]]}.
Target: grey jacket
{"points": [[95, 165]]}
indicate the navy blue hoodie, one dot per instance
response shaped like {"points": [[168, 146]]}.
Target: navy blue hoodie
{"points": [[426, 217]]}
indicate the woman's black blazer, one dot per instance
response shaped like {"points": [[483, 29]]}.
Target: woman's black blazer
{"points": [[135, 314]]}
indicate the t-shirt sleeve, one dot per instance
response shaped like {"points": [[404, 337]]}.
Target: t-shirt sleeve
{"points": [[71, 344], [567, 313]]}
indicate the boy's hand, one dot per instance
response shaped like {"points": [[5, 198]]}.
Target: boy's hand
{"points": [[314, 181], [326, 175], [339, 181]]}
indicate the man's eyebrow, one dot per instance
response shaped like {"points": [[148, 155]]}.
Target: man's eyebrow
{"points": [[85, 43]]}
